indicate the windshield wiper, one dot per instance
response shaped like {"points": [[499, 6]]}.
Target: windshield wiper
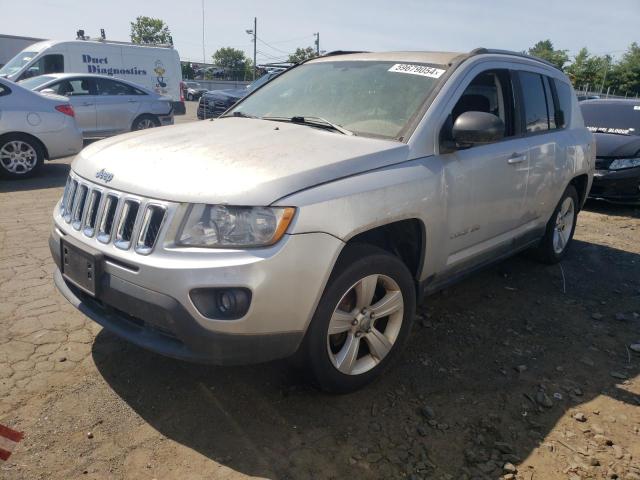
{"points": [[241, 115], [312, 121]]}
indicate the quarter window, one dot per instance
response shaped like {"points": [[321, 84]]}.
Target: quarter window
{"points": [[564, 102], [535, 102]]}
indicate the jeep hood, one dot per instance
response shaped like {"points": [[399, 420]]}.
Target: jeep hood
{"points": [[237, 161]]}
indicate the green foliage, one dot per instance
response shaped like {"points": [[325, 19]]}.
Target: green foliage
{"points": [[187, 71], [587, 69], [236, 64], [625, 75], [544, 49], [147, 30], [302, 54]]}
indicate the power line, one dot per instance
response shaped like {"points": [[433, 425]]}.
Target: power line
{"points": [[271, 46]]}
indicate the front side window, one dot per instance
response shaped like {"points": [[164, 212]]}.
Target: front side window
{"points": [[52, 63], [74, 87], [370, 98], [489, 92], [535, 102]]}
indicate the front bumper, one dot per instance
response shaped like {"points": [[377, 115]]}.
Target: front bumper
{"points": [[152, 308], [617, 185]]}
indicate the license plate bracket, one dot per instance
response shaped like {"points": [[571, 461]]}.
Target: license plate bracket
{"points": [[81, 268]]}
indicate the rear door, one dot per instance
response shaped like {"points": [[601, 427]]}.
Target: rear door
{"points": [[81, 92], [117, 106]]}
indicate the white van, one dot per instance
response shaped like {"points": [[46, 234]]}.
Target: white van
{"points": [[154, 67]]}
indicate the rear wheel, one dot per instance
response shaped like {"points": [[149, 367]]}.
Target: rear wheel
{"points": [[20, 156], [145, 121], [362, 320], [190, 97], [560, 228]]}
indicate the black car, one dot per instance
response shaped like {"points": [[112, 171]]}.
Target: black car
{"points": [[193, 90], [214, 102], [616, 126]]}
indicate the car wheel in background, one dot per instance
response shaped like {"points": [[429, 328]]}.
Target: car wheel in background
{"points": [[560, 228], [362, 320], [145, 121], [190, 97], [20, 156]]}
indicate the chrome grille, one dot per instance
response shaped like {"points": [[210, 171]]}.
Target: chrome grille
{"points": [[112, 216]]}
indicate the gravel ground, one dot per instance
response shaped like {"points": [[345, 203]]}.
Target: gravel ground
{"points": [[522, 371]]}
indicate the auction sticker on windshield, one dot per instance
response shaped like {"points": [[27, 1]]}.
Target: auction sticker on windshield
{"points": [[422, 70]]}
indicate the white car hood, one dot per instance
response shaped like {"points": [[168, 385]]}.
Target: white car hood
{"points": [[231, 160]]}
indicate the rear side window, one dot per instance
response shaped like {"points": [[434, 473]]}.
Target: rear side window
{"points": [[551, 108], [565, 96], [112, 87], [535, 102]]}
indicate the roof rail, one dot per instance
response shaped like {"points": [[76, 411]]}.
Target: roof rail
{"points": [[343, 52], [481, 50]]}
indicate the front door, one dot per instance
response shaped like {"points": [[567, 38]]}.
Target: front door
{"points": [[486, 184]]}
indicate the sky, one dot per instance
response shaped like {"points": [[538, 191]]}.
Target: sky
{"points": [[373, 25]]}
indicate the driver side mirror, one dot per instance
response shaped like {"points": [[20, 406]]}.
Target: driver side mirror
{"points": [[476, 128], [48, 91]]}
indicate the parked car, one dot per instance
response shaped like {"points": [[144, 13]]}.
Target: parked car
{"points": [[582, 98], [616, 126], [313, 216], [105, 106], [193, 90], [156, 68], [34, 127], [215, 102]]}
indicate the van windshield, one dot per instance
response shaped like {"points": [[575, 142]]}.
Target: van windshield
{"points": [[17, 62], [35, 82], [370, 98]]}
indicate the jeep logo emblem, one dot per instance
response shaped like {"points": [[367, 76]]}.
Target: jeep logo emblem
{"points": [[104, 175]]}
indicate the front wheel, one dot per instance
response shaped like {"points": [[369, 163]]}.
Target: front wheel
{"points": [[362, 320], [20, 156], [560, 228]]}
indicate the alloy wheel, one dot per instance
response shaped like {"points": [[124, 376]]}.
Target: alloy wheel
{"points": [[564, 225], [145, 123], [18, 157], [365, 324]]}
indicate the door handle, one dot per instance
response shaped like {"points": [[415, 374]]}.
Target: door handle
{"points": [[132, 101], [516, 158], [86, 104]]}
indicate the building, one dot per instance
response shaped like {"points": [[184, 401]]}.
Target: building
{"points": [[10, 45]]}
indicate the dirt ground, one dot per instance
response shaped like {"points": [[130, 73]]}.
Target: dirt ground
{"points": [[521, 371]]}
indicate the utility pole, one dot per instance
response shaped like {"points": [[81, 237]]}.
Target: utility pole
{"points": [[317, 35], [204, 58], [254, 32]]}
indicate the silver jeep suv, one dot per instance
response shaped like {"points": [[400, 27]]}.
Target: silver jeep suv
{"points": [[311, 217]]}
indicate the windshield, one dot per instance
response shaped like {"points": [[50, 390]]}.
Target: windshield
{"points": [[17, 62], [617, 118], [259, 82], [35, 82], [371, 98], [193, 85]]}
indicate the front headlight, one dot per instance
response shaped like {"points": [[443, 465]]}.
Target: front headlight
{"points": [[620, 163], [224, 226]]}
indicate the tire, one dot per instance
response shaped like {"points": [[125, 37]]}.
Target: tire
{"points": [[560, 229], [189, 97], [325, 356], [21, 156], [144, 122]]}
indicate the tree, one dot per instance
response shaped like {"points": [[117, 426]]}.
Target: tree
{"points": [[544, 49], [587, 69], [302, 54], [625, 75], [150, 30], [187, 71], [231, 58]]}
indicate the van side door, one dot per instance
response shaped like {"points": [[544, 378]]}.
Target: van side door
{"points": [[117, 106], [486, 184]]}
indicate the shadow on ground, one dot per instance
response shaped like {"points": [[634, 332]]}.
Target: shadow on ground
{"points": [[51, 175], [618, 210], [498, 358]]}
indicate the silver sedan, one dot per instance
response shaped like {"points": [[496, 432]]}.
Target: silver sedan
{"points": [[34, 127], [106, 106]]}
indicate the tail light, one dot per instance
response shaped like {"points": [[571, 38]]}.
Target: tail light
{"points": [[182, 85], [66, 109]]}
